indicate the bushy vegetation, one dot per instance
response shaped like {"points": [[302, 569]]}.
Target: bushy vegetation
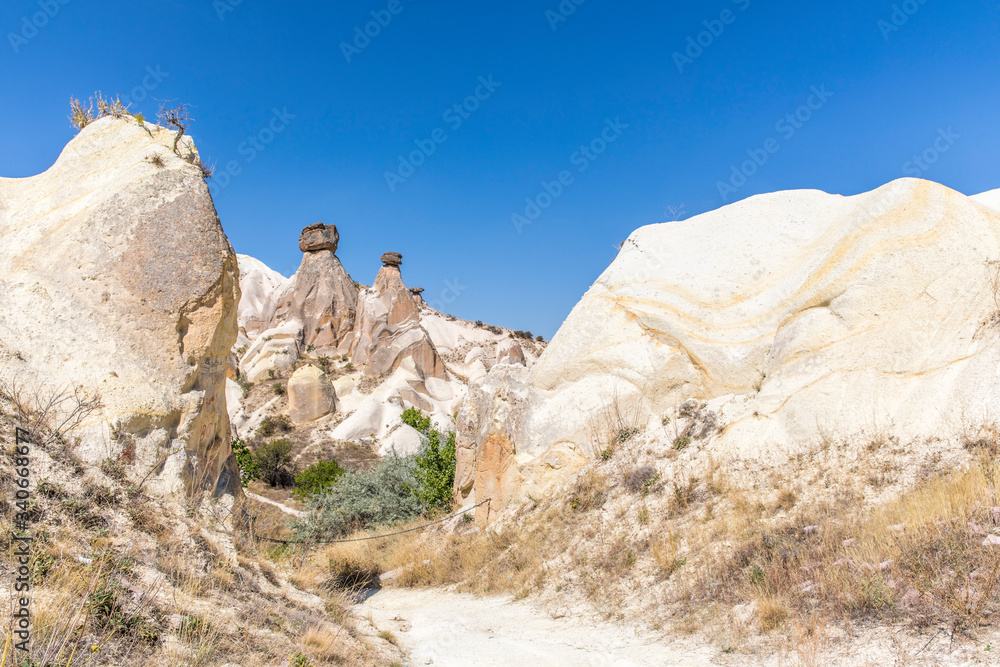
{"points": [[249, 470], [317, 478], [274, 460], [394, 490], [383, 495], [272, 424], [435, 463]]}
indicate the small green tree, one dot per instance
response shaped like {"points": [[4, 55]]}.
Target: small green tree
{"points": [[435, 464], [317, 478], [249, 470], [274, 460]]}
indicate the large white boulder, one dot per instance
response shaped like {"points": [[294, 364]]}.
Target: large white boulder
{"points": [[800, 315], [310, 395], [118, 279]]}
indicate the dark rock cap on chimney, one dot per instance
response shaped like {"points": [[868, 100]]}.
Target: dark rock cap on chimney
{"points": [[319, 237]]}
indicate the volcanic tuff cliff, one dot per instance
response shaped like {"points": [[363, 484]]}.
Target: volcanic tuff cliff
{"points": [[761, 328], [118, 279]]}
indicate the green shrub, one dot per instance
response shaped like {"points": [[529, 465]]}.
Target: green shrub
{"points": [[414, 418], [435, 471], [272, 424], [249, 469], [279, 389], [274, 460], [381, 496], [317, 478]]}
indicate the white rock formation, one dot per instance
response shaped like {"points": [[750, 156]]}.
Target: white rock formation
{"points": [[419, 356], [798, 315], [990, 200], [258, 283], [117, 278], [310, 395], [273, 353]]}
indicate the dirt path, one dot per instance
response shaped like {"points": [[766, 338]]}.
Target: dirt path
{"points": [[456, 630], [284, 508]]}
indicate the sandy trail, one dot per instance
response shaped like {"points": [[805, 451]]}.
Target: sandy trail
{"points": [[455, 630]]}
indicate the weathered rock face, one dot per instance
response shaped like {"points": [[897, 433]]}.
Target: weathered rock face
{"points": [[315, 307], [319, 237], [388, 330], [117, 278], [795, 315], [509, 352], [322, 298], [495, 416], [257, 284], [310, 395]]}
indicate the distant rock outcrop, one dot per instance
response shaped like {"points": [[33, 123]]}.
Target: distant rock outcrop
{"points": [[795, 316], [388, 330], [509, 352], [117, 278], [400, 352], [314, 308]]}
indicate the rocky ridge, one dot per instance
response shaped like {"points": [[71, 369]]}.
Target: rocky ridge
{"points": [[398, 352], [789, 318]]}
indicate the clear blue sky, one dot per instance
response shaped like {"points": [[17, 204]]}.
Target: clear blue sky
{"points": [[895, 92]]}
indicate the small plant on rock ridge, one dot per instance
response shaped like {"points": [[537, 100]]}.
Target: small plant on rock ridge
{"points": [[81, 116]]}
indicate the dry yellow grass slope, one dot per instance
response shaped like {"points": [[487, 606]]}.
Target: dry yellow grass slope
{"points": [[122, 578], [864, 533]]}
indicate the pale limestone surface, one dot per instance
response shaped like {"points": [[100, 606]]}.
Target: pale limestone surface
{"points": [[310, 395], [117, 278], [990, 200], [797, 316], [257, 283]]}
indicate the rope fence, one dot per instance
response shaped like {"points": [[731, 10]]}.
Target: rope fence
{"points": [[376, 537]]}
